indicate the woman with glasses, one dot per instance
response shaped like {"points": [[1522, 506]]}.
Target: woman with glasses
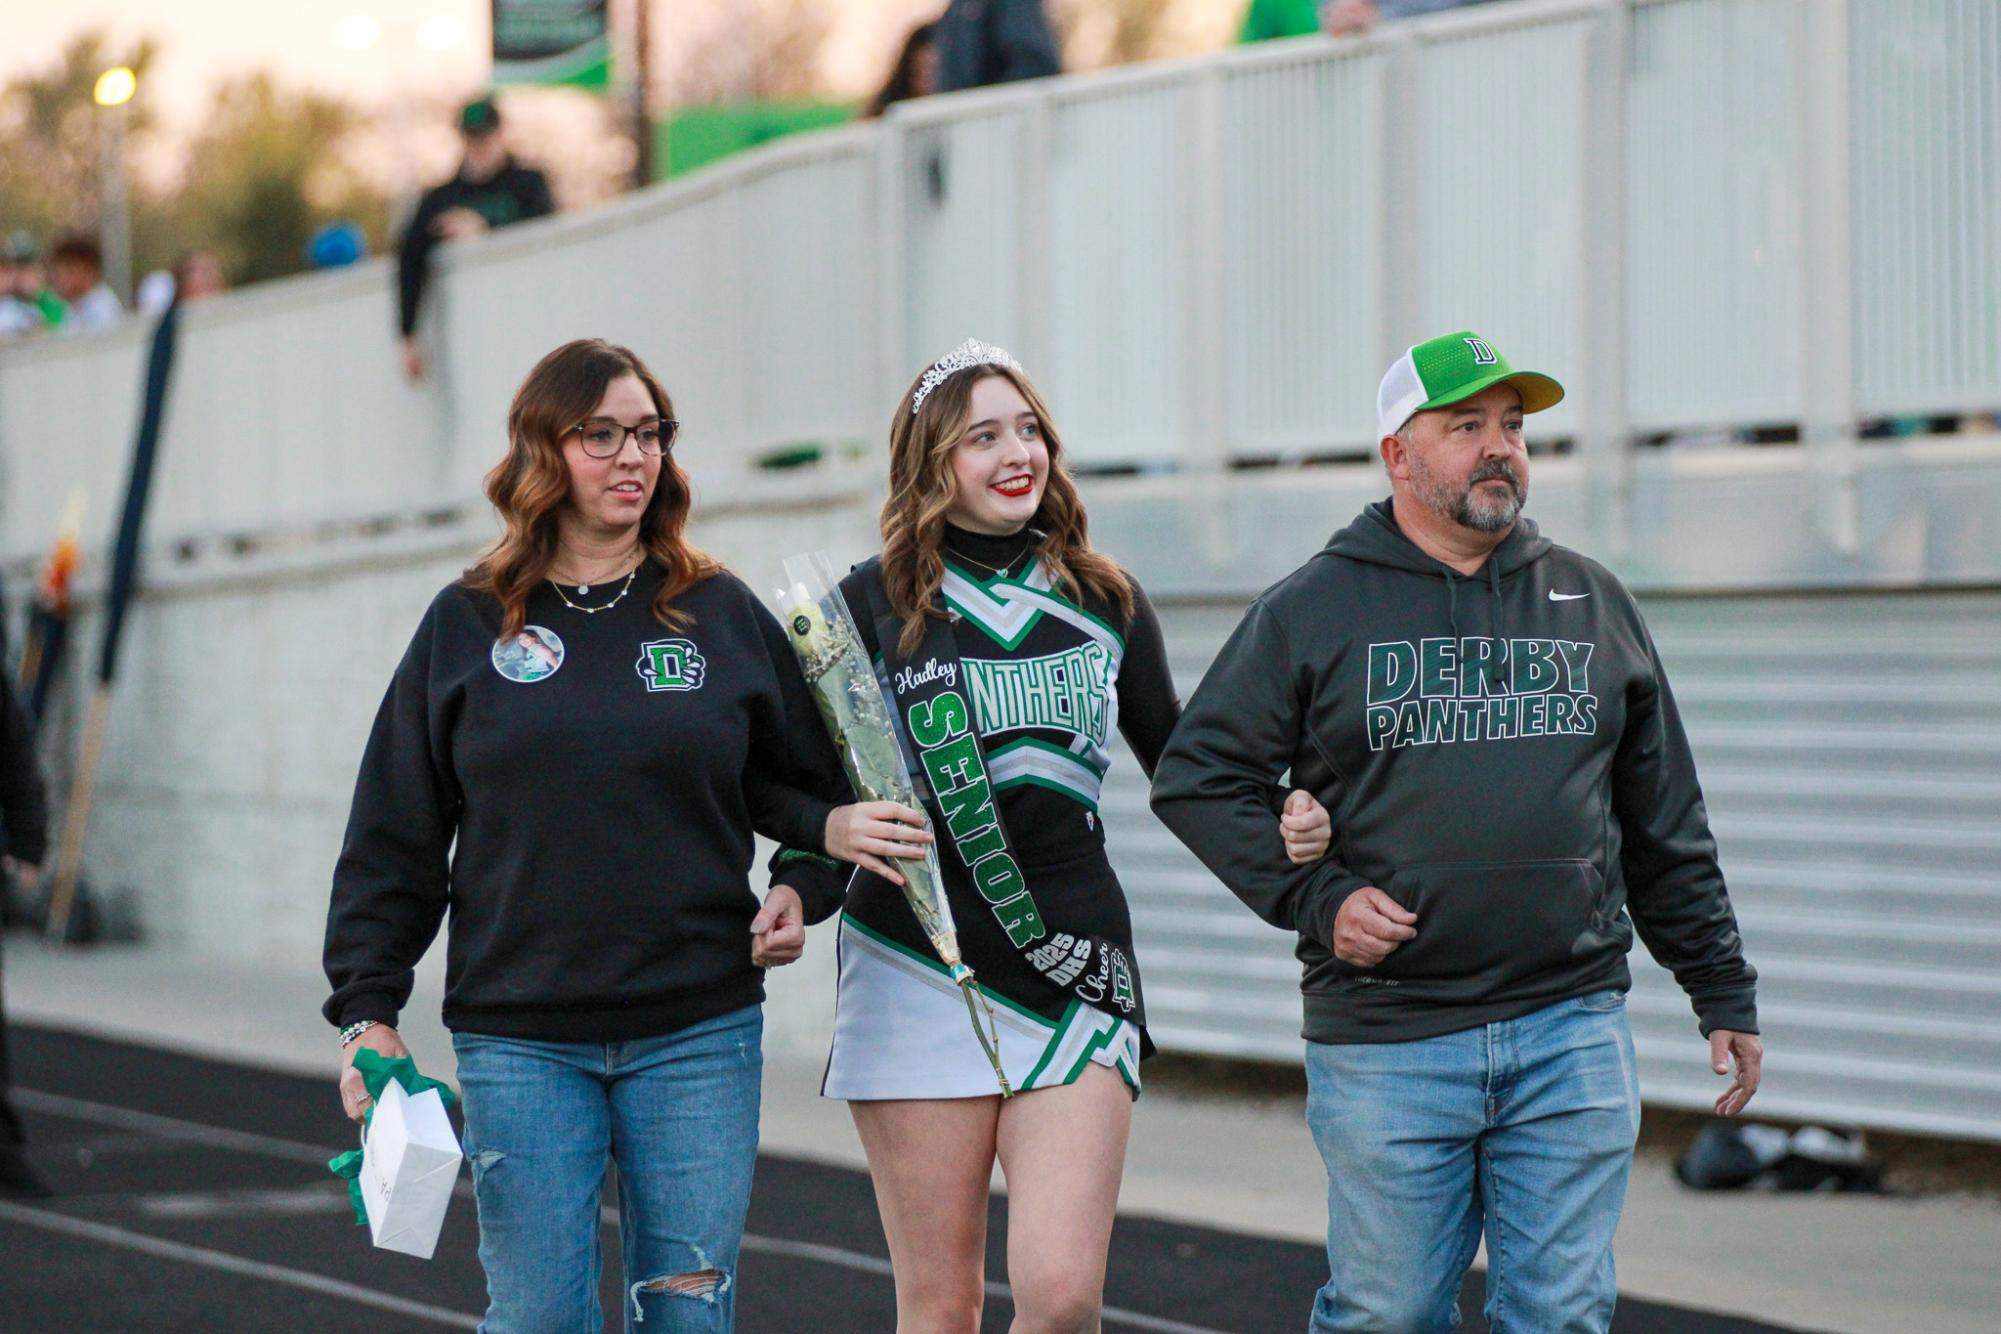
{"points": [[573, 756]]}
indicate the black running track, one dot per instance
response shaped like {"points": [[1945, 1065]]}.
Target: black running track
{"points": [[193, 1196]]}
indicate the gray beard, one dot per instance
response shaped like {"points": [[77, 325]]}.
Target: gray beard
{"points": [[1472, 508]]}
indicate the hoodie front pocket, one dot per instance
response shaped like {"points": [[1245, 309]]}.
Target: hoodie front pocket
{"points": [[1491, 923]]}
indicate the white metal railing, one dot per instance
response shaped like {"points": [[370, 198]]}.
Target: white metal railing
{"points": [[1698, 213]]}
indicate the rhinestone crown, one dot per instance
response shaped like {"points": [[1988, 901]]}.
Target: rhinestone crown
{"points": [[965, 356]]}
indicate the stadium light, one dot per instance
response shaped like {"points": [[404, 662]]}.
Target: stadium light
{"points": [[115, 87]]}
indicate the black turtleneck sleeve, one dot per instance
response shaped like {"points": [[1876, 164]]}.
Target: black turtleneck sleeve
{"points": [[1148, 706]]}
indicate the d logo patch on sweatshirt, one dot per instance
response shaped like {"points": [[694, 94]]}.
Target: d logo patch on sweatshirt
{"points": [[671, 664], [531, 656]]}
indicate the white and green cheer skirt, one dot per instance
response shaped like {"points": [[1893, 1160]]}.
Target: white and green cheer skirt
{"points": [[901, 1031]]}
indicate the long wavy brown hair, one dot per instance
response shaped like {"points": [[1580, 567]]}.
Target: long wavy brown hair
{"points": [[922, 488], [532, 484]]}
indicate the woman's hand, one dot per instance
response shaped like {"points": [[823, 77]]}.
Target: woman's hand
{"points": [[778, 932], [869, 831], [1307, 827], [381, 1039]]}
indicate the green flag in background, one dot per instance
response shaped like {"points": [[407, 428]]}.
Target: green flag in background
{"points": [[551, 42]]}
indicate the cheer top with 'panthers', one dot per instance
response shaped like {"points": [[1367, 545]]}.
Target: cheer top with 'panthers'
{"points": [[1048, 676]]}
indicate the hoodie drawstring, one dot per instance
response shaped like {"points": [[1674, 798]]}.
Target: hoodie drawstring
{"points": [[1452, 600], [1500, 625], [1490, 667]]}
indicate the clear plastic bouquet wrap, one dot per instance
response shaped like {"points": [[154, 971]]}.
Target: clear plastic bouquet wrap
{"points": [[858, 718]]}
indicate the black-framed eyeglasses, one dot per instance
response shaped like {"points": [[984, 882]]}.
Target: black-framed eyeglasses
{"points": [[604, 437]]}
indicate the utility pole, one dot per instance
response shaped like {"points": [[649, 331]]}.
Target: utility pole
{"points": [[642, 85], [114, 88]]}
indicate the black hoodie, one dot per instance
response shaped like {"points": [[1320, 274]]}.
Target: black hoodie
{"points": [[1501, 755]]}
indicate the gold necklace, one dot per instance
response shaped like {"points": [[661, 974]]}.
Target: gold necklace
{"points": [[585, 588]]}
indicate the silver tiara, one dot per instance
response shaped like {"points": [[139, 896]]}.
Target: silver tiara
{"points": [[965, 356]]}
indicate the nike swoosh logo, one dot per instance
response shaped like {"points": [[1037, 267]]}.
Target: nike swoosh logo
{"points": [[1555, 596]]}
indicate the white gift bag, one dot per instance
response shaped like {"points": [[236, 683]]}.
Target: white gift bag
{"points": [[409, 1163]]}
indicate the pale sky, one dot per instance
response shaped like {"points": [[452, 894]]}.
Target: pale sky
{"points": [[206, 40], [203, 41]]}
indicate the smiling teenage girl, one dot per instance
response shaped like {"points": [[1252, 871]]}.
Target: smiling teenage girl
{"points": [[1012, 651]]}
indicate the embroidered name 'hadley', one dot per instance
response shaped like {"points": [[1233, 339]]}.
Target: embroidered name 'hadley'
{"points": [[1064, 691], [671, 664], [933, 670], [1441, 691], [950, 755]]}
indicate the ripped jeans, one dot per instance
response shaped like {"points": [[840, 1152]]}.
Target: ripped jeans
{"points": [[678, 1114]]}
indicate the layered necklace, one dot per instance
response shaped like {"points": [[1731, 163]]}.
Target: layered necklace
{"points": [[583, 589]]}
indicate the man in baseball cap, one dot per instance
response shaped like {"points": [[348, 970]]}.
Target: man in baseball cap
{"points": [[490, 189], [1484, 713]]}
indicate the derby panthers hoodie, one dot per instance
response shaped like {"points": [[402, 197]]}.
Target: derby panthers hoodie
{"points": [[1501, 755]]}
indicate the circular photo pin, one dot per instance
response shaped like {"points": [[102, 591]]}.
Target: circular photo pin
{"points": [[531, 656]]}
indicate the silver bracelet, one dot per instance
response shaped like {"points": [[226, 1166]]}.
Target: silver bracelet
{"points": [[353, 1031]]}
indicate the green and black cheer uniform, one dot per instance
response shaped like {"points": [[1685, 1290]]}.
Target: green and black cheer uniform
{"points": [[1034, 680], [588, 825]]}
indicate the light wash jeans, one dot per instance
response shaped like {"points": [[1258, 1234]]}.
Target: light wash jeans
{"points": [[678, 1114], [1522, 1129]]}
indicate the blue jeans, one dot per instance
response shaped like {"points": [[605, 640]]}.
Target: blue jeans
{"points": [[1522, 1130], [678, 1114]]}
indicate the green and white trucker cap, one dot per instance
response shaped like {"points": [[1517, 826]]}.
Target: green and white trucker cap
{"points": [[1447, 370]]}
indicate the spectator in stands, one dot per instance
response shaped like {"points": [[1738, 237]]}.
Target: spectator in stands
{"points": [[198, 275], [20, 284], [337, 244], [76, 272], [24, 838], [983, 42], [915, 75], [1267, 19], [41, 309], [489, 190], [154, 293], [1345, 18]]}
